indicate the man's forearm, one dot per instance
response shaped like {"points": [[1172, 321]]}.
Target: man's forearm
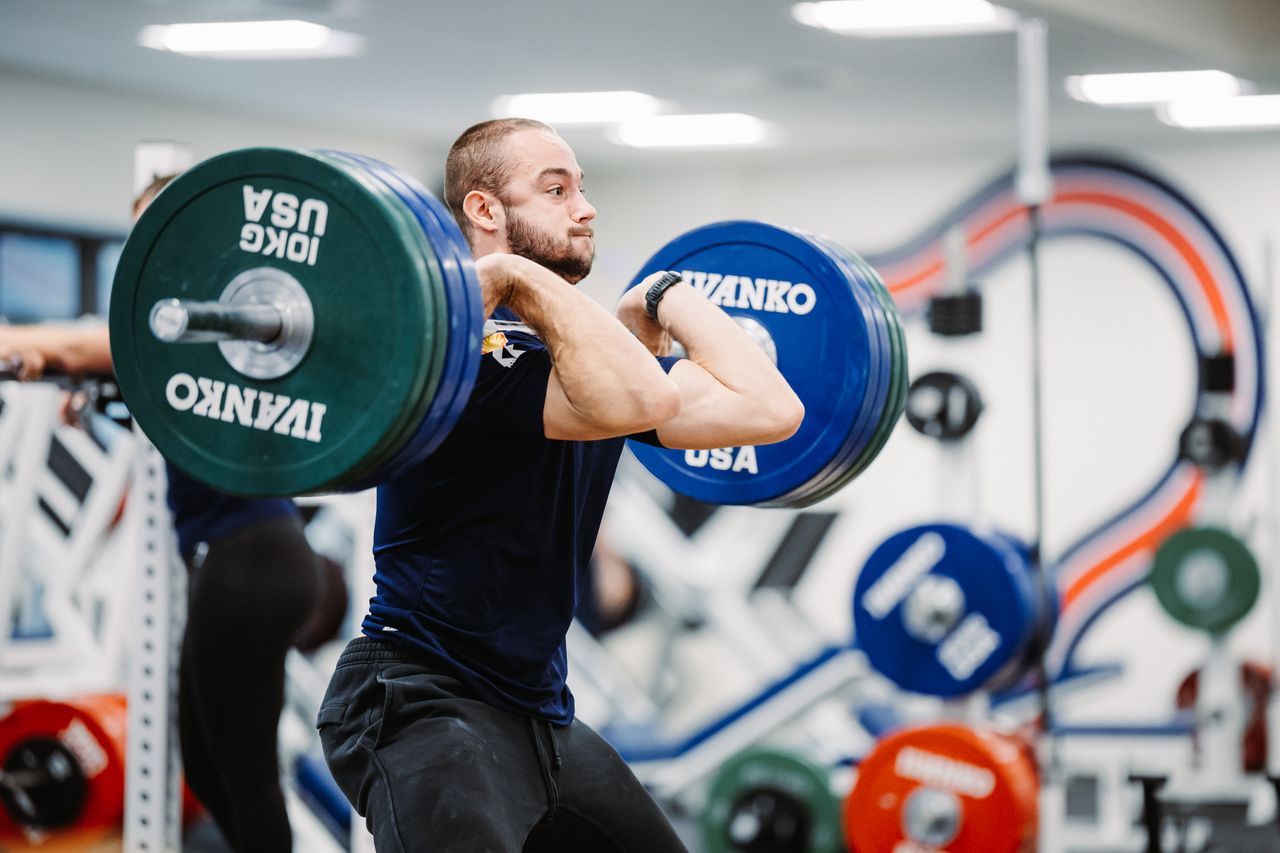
{"points": [[720, 346], [71, 349], [86, 350]]}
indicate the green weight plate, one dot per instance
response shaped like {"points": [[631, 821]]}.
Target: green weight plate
{"points": [[374, 347], [406, 426], [1205, 578], [771, 800]]}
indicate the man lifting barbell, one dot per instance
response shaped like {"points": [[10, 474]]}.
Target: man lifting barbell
{"points": [[449, 724], [285, 322]]}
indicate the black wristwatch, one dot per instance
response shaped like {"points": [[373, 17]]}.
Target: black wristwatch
{"points": [[656, 292]]}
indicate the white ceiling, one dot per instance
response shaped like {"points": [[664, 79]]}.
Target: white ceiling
{"points": [[432, 67]]}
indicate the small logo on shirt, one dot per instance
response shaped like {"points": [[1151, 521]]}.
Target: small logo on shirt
{"points": [[497, 344], [507, 355], [495, 341]]}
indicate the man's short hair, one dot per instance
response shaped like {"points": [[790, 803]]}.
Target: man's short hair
{"points": [[477, 161]]}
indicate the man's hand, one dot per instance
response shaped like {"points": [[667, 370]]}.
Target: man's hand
{"points": [[49, 348], [497, 280], [632, 314], [21, 359]]}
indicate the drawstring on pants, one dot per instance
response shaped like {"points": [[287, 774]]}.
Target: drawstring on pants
{"points": [[555, 747], [545, 764]]}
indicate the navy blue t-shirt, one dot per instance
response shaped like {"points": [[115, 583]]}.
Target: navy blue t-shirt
{"points": [[203, 514], [482, 550]]}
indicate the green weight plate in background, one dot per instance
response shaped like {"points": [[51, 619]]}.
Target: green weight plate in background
{"points": [[1206, 578], [774, 800]]}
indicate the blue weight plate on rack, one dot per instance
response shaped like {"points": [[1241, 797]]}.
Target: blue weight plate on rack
{"points": [[877, 397], [1048, 606], [465, 310], [825, 350], [979, 639]]}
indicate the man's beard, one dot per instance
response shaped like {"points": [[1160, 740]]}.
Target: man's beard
{"points": [[562, 257]]}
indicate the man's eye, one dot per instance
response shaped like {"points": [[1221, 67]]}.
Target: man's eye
{"points": [[557, 191]]}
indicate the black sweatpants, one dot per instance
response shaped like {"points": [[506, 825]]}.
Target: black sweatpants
{"points": [[432, 768], [248, 597]]}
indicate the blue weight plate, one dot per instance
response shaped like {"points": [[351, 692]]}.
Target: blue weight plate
{"points": [[471, 322], [868, 411], [826, 352], [387, 463], [834, 475], [986, 645], [894, 405], [427, 422], [877, 398], [1046, 610], [465, 310], [838, 476], [898, 393]]}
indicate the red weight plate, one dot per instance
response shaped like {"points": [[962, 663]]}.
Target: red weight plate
{"points": [[944, 786], [92, 730]]}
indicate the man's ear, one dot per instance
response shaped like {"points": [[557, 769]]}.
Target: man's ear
{"points": [[483, 211]]}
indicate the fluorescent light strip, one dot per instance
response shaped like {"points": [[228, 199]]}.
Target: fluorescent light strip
{"points": [[251, 39], [710, 130], [577, 107], [1113, 90], [896, 18], [1223, 113]]}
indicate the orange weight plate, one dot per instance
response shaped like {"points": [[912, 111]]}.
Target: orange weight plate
{"points": [[944, 787], [63, 766]]}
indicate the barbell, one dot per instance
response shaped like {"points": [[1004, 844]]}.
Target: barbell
{"points": [[289, 322]]}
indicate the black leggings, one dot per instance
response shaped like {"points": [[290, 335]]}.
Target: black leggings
{"points": [[247, 600]]}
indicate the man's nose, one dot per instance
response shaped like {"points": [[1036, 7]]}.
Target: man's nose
{"points": [[584, 212]]}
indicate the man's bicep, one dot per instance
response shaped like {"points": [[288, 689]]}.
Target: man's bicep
{"points": [[562, 421]]}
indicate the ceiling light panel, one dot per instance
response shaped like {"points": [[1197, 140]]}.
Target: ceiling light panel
{"points": [[251, 40], [1144, 89], [713, 130], [905, 18], [577, 107], [1251, 111]]}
